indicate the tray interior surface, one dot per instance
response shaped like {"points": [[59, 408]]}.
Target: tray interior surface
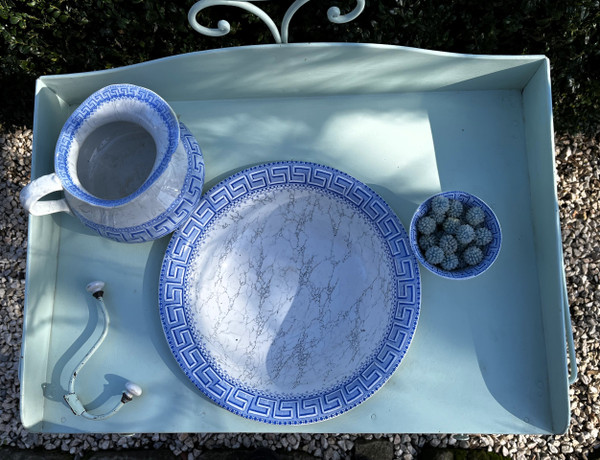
{"points": [[488, 354]]}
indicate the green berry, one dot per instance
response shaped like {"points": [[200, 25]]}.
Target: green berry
{"points": [[440, 204], [465, 234], [426, 241], [483, 236], [475, 216], [448, 244], [455, 209], [472, 255], [450, 262], [451, 225], [434, 255], [426, 225]]}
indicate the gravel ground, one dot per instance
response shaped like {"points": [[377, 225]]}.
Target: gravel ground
{"points": [[577, 159]]}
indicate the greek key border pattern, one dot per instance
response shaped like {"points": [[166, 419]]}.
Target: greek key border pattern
{"points": [[308, 408], [181, 209], [86, 110]]}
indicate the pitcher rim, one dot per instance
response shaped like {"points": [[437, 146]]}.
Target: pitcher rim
{"points": [[80, 115]]}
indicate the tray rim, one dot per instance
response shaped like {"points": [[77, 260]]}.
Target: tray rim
{"points": [[309, 45]]}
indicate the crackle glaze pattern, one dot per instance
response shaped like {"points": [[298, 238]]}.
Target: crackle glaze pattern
{"points": [[282, 278], [291, 295]]}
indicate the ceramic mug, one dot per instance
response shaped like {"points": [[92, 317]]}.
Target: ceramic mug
{"points": [[129, 170]]}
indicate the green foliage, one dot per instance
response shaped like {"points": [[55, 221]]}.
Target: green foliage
{"points": [[39, 37]]}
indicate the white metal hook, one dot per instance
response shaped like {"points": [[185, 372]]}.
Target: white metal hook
{"points": [[132, 390]]}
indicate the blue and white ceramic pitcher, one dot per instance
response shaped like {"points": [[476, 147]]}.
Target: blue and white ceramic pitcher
{"points": [[128, 168]]}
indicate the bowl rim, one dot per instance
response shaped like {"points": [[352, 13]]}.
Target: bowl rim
{"points": [[466, 273]]}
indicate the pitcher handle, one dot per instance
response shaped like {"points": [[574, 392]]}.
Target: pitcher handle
{"points": [[39, 188]]}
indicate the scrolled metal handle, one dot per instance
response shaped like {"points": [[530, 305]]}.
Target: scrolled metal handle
{"points": [[335, 15], [223, 27]]}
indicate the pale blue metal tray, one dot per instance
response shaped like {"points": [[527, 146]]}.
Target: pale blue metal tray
{"points": [[489, 354]]}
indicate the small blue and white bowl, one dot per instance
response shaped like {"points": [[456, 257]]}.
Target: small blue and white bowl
{"points": [[490, 251]]}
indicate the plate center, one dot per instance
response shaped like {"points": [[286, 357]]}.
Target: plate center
{"points": [[290, 291]]}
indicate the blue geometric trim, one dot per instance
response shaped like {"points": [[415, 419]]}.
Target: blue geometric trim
{"points": [[179, 211], [250, 403], [85, 111]]}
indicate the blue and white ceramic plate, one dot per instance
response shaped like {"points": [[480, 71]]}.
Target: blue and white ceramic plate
{"points": [[292, 293]]}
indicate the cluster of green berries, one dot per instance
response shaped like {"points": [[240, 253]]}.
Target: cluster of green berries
{"points": [[451, 236]]}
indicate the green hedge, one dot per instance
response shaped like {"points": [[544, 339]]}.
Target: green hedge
{"points": [[58, 36]]}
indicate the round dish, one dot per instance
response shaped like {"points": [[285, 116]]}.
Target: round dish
{"points": [[491, 251], [291, 295]]}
